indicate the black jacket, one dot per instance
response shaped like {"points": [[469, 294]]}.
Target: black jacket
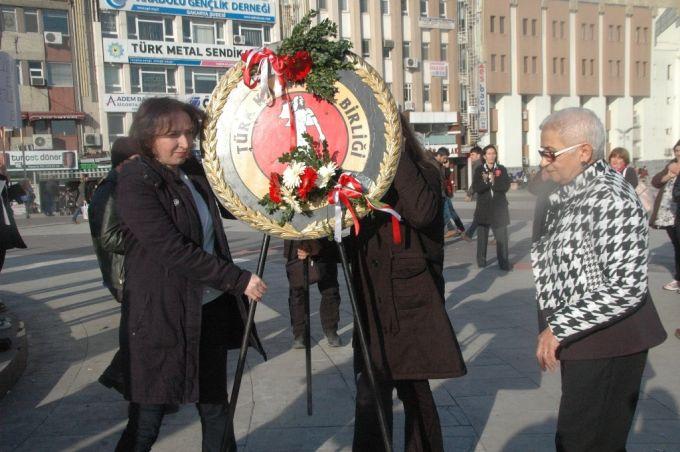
{"points": [[166, 271], [107, 235], [492, 204], [9, 234]]}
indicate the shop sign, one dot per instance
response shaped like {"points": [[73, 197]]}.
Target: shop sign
{"points": [[439, 69], [93, 164], [437, 22], [129, 103], [41, 160], [160, 52], [247, 10], [482, 102]]}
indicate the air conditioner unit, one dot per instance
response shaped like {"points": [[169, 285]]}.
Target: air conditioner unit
{"points": [[92, 139], [42, 141], [409, 105], [38, 81], [388, 43], [53, 37], [410, 63], [239, 40]]}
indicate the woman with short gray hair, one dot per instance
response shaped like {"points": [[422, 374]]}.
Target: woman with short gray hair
{"points": [[590, 268]]}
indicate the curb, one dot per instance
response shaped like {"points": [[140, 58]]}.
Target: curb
{"points": [[13, 361]]}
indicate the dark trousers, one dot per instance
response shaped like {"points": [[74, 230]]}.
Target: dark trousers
{"points": [[422, 431], [450, 214], [673, 232], [329, 309], [501, 234], [3, 253], [471, 229], [598, 402], [144, 420]]}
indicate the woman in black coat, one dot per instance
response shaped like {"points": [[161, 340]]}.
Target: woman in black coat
{"points": [[400, 292], [180, 308], [9, 234], [491, 182]]}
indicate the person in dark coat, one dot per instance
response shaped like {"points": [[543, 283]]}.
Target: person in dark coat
{"points": [[323, 263], [475, 161], [9, 233], [491, 182], [182, 291], [400, 293]]}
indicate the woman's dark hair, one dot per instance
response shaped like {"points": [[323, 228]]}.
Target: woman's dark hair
{"points": [[676, 144], [413, 146], [621, 153], [123, 148], [153, 119]]}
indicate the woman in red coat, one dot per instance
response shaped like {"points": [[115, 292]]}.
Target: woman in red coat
{"points": [[400, 291]]}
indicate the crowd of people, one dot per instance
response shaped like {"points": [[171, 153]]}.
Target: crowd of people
{"points": [[157, 230]]}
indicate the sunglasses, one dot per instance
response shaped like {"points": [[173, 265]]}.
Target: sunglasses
{"points": [[551, 156]]}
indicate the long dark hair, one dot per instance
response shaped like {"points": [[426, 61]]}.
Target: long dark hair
{"points": [[153, 119], [413, 147]]}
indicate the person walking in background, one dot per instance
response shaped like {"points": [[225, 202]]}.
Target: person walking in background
{"points": [[619, 159], [323, 271], [400, 296], [109, 242], [180, 309], [49, 196], [81, 199], [491, 183], [665, 212], [452, 223], [475, 160], [596, 317]]}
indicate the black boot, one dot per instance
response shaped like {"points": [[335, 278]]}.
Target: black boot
{"points": [[333, 338]]}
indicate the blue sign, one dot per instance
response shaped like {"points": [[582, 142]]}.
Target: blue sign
{"points": [[246, 10]]}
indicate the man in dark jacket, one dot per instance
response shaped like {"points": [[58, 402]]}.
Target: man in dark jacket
{"points": [[323, 256], [107, 239], [475, 161]]}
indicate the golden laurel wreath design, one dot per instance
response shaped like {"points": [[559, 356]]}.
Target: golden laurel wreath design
{"points": [[320, 228]]}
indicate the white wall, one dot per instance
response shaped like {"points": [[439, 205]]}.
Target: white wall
{"points": [[509, 135], [538, 109]]}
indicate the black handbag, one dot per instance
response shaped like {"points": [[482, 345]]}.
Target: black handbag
{"points": [[294, 270]]}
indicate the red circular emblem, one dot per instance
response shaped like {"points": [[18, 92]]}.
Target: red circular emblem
{"points": [[272, 131]]}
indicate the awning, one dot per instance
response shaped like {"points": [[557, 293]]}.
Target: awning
{"points": [[38, 115]]}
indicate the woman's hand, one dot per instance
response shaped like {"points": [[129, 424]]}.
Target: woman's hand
{"points": [[256, 288], [546, 350]]}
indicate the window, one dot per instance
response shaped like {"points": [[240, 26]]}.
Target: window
{"points": [[644, 69], [562, 66], [637, 35], [583, 67], [444, 51], [533, 27], [202, 32], [501, 24], [322, 4], [561, 29], [40, 126], [525, 27], [492, 24], [201, 81], [426, 93], [554, 66], [442, 8], [669, 72], [64, 127], [644, 35], [406, 49], [116, 123], [9, 19], [384, 6], [408, 88], [148, 28], [610, 35], [152, 79], [583, 32], [592, 67], [533, 64], [554, 29], [425, 51], [404, 7], [592, 32], [343, 5], [493, 62], [35, 71], [387, 52], [445, 93], [611, 68], [423, 8], [112, 83], [20, 78], [108, 23], [30, 20], [363, 6], [526, 65], [54, 20], [59, 74], [618, 33], [618, 68], [502, 63], [255, 35], [365, 50]]}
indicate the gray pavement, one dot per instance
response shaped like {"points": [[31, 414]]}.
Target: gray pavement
{"points": [[505, 403]]}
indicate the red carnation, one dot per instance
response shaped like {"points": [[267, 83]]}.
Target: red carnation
{"points": [[497, 173], [297, 66], [307, 180], [275, 188]]}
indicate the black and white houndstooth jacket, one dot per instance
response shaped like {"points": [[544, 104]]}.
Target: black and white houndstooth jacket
{"points": [[590, 265]]}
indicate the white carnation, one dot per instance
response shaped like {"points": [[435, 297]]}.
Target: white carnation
{"points": [[291, 175], [288, 196], [325, 173]]}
